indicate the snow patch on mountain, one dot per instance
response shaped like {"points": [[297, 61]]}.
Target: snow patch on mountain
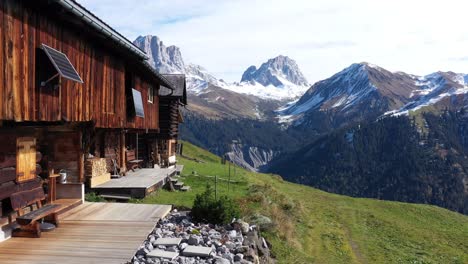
{"points": [[282, 92], [198, 79], [342, 90], [433, 88]]}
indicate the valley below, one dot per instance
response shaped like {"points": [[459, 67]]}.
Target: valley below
{"points": [[306, 225]]}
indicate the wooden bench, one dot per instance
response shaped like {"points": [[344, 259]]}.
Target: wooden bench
{"points": [[29, 225], [132, 162]]}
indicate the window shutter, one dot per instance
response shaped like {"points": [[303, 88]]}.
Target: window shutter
{"points": [[25, 159]]}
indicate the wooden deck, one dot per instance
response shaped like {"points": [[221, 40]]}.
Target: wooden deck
{"points": [[136, 184], [103, 233]]}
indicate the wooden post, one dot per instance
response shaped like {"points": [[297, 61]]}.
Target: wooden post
{"points": [[80, 159], [136, 146], [216, 187], [123, 162], [52, 196], [229, 181], [167, 153], [59, 112]]}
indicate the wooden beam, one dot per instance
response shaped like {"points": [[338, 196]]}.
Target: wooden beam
{"points": [[123, 162], [80, 159]]}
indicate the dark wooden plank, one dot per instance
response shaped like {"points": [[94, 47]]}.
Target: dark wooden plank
{"points": [[38, 214], [29, 185], [22, 199], [7, 174], [7, 189], [2, 62], [79, 111], [42, 95], [89, 82], [31, 61], [17, 60], [7, 160], [8, 60]]}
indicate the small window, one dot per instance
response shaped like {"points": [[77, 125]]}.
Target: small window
{"points": [[150, 94], [138, 103]]}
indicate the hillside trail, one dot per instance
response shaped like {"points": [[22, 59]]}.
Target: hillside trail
{"points": [[355, 247]]}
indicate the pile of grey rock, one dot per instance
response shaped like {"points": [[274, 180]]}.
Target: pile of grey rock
{"points": [[177, 240]]}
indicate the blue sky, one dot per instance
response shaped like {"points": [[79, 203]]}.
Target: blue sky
{"points": [[323, 36]]}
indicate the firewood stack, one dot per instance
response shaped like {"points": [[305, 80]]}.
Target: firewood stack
{"points": [[96, 171]]}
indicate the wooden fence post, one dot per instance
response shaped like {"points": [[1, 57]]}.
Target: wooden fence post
{"points": [[216, 187]]}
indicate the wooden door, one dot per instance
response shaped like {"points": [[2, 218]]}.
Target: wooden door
{"points": [[25, 159]]}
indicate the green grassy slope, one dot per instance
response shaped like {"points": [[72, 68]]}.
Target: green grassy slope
{"points": [[312, 226]]}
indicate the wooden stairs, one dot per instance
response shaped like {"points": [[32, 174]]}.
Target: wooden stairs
{"points": [[179, 185]]}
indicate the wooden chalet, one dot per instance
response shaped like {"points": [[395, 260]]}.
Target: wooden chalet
{"points": [[77, 99], [170, 102]]}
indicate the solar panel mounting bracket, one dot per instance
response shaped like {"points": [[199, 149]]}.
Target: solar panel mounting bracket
{"points": [[43, 84]]}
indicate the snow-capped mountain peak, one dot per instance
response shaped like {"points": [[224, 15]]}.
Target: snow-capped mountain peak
{"points": [[275, 71], [342, 90], [278, 78], [198, 78]]}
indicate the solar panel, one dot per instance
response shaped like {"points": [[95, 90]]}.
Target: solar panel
{"points": [[138, 103], [62, 64]]}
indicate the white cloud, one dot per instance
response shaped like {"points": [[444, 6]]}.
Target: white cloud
{"points": [[323, 36]]}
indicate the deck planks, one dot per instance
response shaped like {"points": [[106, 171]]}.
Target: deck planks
{"points": [[136, 184], [142, 178], [121, 212], [90, 233]]}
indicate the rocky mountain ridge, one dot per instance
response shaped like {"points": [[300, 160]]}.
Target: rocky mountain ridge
{"points": [[364, 91], [277, 79], [167, 59], [360, 93], [278, 71]]}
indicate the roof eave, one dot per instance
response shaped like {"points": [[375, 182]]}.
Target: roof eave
{"points": [[92, 20]]}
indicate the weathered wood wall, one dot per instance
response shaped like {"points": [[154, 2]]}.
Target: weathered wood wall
{"points": [[169, 121], [64, 150], [101, 98]]}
